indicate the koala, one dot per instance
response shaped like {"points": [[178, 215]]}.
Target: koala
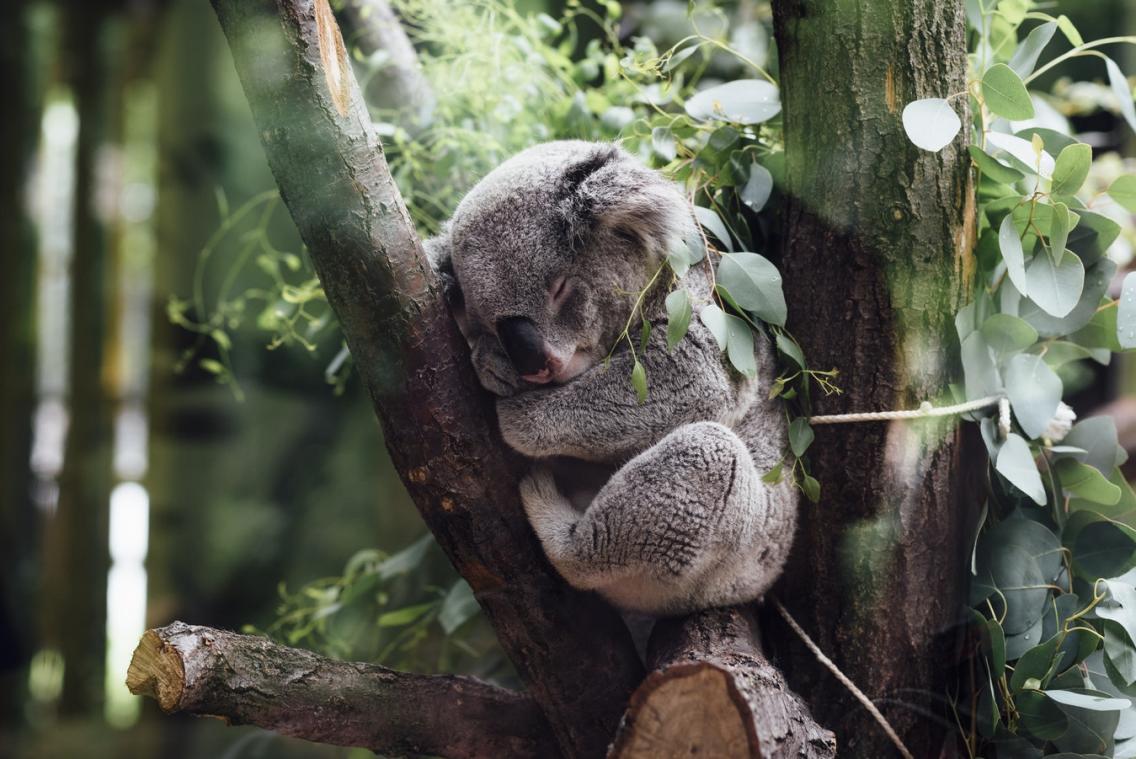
{"points": [[659, 506]]}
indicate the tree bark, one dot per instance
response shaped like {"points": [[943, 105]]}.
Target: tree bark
{"points": [[878, 258], [713, 693], [572, 651], [250, 680]]}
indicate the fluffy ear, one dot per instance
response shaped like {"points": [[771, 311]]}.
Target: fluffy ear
{"points": [[610, 191], [440, 255]]}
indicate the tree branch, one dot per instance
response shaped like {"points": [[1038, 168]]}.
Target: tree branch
{"points": [[399, 85], [713, 693], [250, 680], [573, 652]]}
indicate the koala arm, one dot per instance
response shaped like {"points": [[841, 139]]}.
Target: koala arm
{"points": [[597, 416]]}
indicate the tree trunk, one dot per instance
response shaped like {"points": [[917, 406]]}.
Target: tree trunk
{"points": [[572, 650], [713, 693], [877, 260], [19, 133], [77, 533]]}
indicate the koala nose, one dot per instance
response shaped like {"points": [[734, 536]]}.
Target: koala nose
{"points": [[523, 343]]}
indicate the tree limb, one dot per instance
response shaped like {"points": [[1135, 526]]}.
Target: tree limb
{"points": [[250, 680], [573, 652], [399, 85], [713, 693]]}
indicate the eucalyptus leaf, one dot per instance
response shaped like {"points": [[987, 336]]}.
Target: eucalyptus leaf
{"points": [[1086, 699], [1123, 191], [993, 168], [1055, 287], [1123, 92], [1072, 168], [1015, 463], [1063, 221], [1070, 31], [739, 345], [1005, 94], [754, 284], [709, 219], [1022, 153], [715, 320], [800, 436], [1126, 313], [931, 123], [1098, 437], [1086, 482], [742, 101], [789, 348], [639, 381], [979, 371], [679, 311], [755, 194], [1010, 243], [1007, 335], [458, 607], [1034, 391], [1025, 57]]}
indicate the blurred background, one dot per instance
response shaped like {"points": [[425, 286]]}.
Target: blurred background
{"points": [[181, 435]]}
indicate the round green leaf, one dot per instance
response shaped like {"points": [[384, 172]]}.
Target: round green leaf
{"points": [[664, 143], [1034, 391], [1005, 94], [755, 194], [1055, 287], [1072, 168], [1123, 191], [1086, 482], [754, 283], [931, 123], [743, 101], [1007, 335]]}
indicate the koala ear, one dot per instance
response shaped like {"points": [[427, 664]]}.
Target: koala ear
{"points": [[440, 255], [610, 191]]}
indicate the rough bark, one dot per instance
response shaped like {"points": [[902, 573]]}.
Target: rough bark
{"points": [[400, 85], [713, 693], [572, 651], [250, 680], [877, 259]]}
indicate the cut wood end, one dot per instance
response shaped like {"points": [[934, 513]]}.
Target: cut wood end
{"points": [[686, 711], [156, 670]]}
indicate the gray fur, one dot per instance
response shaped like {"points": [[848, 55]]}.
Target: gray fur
{"points": [[685, 521]]}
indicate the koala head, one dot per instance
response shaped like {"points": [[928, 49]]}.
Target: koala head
{"points": [[547, 253]]}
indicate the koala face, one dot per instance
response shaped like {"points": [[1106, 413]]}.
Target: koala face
{"points": [[549, 251]]}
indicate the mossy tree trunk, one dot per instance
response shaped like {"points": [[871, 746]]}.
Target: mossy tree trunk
{"points": [[877, 260]]}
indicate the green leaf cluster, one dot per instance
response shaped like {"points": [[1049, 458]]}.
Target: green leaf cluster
{"points": [[1054, 560]]}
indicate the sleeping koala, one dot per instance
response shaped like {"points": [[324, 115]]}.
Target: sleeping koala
{"points": [[542, 261]]}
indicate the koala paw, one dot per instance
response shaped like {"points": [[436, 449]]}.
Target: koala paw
{"points": [[493, 369], [519, 428], [542, 498]]}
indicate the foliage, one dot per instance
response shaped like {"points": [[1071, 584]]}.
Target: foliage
{"points": [[383, 609], [1054, 564]]}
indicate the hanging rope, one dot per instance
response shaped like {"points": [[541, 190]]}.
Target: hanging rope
{"points": [[843, 678]]}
